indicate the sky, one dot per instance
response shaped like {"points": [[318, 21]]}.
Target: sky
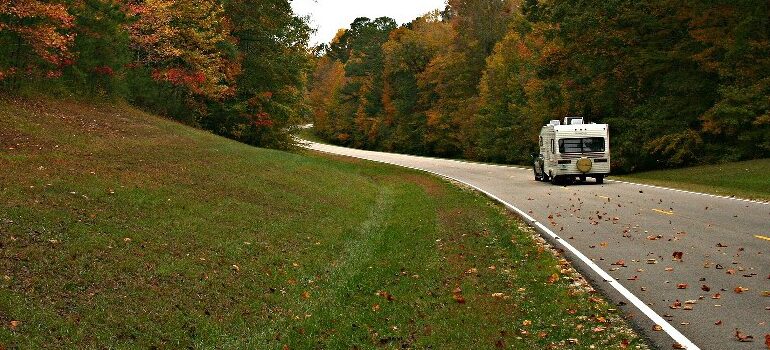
{"points": [[327, 16]]}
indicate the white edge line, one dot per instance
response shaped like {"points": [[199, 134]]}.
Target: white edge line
{"points": [[692, 192], [651, 314]]}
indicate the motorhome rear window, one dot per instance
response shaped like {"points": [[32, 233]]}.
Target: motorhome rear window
{"points": [[581, 145]]}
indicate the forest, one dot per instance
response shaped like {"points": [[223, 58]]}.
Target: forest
{"points": [[679, 83], [235, 67]]}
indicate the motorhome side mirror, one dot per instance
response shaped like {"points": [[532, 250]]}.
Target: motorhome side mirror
{"points": [[535, 155]]}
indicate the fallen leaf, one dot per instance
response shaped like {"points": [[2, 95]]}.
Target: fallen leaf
{"points": [[740, 289], [657, 328], [766, 293], [718, 322], [458, 296], [497, 295], [716, 296], [305, 295], [14, 324], [624, 344], [471, 271], [236, 268], [620, 262], [526, 323], [767, 340], [678, 255], [677, 346], [386, 295], [598, 329], [553, 278], [681, 286], [705, 288], [743, 337], [676, 305], [376, 307]]}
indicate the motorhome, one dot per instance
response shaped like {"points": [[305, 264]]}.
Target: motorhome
{"points": [[573, 150]]}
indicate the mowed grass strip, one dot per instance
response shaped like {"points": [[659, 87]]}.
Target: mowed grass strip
{"points": [[119, 229], [747, 179]]}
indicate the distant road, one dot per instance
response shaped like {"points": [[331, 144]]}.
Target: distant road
{"points": [[624, 236]]}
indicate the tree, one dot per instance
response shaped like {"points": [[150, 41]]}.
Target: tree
{"points": [[328, 78], [407, 53], [185, 43], [101, 48], [272, 44], [35, 38]]}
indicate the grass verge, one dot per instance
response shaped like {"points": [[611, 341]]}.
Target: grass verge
{"points": [[748, 179], [122, 230]]}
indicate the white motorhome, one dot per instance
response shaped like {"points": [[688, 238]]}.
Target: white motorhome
{"points": [[573, 150]]}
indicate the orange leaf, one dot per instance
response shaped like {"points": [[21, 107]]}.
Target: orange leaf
{"points": [[553, 278], [676, 305]]}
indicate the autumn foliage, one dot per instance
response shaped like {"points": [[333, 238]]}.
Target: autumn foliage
{"points": [[678, 83], [36, 37], [211, 63]]}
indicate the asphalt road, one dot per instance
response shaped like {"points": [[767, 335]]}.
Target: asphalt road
{"points": [[631, 233]]}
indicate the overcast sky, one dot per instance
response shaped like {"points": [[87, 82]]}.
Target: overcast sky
{"points": [[327, 16]]}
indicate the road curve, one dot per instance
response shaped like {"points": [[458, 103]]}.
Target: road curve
{"points": [[624, 237]]}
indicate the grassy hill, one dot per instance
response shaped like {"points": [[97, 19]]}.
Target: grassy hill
{"points": [[119, 229]]}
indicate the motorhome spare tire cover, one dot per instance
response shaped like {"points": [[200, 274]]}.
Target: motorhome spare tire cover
{"points": [[584, 165]]}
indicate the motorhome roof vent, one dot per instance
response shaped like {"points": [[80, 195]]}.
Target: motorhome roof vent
{"points": [[554, 122], [573, 121]]}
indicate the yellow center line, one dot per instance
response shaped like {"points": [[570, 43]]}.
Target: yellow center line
{"points": [[762, 237], [665, 212]]}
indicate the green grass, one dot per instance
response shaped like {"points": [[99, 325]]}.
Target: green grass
{"points": [[122, 230], [748, 179]]}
